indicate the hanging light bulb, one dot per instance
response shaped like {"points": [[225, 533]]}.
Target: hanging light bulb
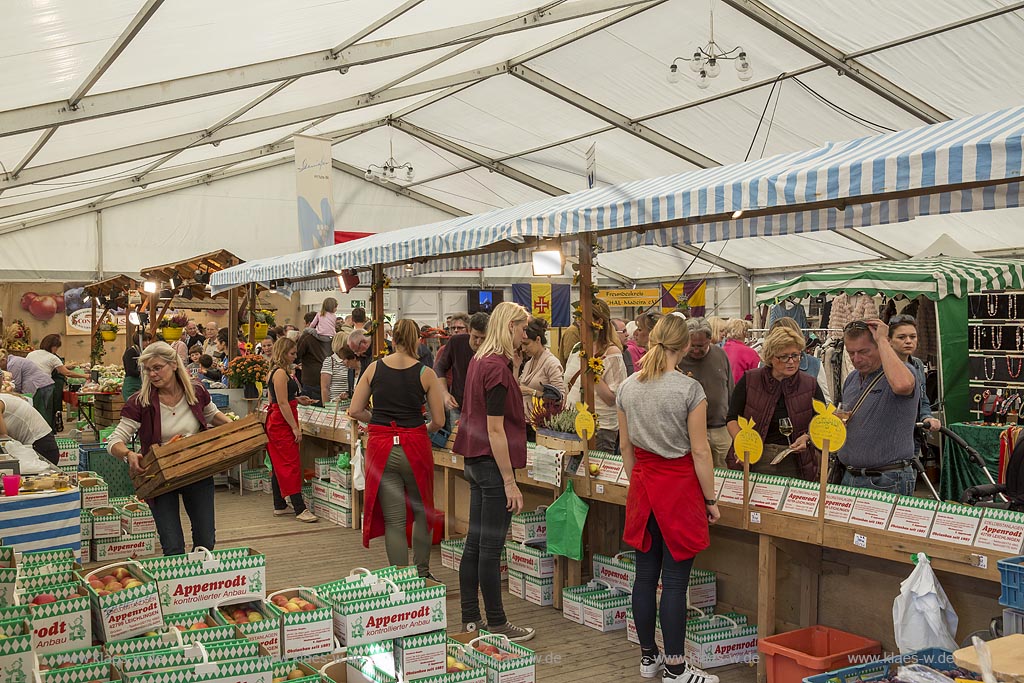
{"points": [[703, 81], [673, 73], [368, 175], [713, 68], [697, 62], [743, 69], [410, 174]]}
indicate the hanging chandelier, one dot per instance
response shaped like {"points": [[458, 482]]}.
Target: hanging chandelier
{"points": [[707, 60], [390, 169]]}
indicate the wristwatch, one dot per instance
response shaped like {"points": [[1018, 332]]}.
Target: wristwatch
{"points": [[710, 501]]}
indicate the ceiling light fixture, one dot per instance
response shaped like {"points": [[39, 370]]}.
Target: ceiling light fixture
{"points": [[548, 261], [149, 287], [737, 213], [408, 267], [706, 60], [389, 170], [347, 280]]}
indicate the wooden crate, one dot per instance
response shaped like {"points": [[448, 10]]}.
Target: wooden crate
{"points": [[571, 446], [194, 458], [107, 410]]}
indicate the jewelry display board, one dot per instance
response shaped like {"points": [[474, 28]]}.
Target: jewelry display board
{"points": [[995, 342]]}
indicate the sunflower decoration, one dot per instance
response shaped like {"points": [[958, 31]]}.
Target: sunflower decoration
{"points": [[597, 325], [594, 365], [383, 352], [385, 284]]}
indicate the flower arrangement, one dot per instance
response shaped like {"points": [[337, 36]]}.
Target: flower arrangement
{"points": [[108, 325], [247, 370], [176, 320], [18, 338], [548, 414], [266, 317]]}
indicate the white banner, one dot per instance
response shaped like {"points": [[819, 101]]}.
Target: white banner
{"points": [[315, 198]]}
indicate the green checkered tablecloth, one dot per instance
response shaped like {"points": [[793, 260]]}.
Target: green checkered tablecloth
{"points": [[958, 472]]}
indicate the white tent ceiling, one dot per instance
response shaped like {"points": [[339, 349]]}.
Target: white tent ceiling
{"points": [[126, 103]]}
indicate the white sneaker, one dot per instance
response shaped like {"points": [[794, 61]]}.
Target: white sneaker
{"points": [[690, 675], [650, 667], [306, 516]]}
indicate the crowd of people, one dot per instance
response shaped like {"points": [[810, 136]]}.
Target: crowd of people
{"points": [[669, 397]]}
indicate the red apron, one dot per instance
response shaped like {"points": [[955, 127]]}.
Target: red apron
{"points": [[416, 444], [669, 490], [284, 452]]}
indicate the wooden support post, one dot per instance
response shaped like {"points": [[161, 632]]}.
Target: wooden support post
{"points": [[767, 556], [232, 323], [250, 337], [94, 325], [823, 485], [377, 303], [586, 261], [746, 489]]}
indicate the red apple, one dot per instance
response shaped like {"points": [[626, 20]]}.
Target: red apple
{"points": [[43, 307], [59, 300], [26, 300], [44, 599], [121, 573], [308, 607]]}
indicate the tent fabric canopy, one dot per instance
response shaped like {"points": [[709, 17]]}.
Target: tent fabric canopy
{"points": [[935, 278], [881, 179]]}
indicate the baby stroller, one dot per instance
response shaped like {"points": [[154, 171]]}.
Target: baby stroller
{"points": [[1008, 495]]}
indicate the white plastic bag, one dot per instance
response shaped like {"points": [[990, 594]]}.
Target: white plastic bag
{"points": [[358, 478], [922, 616]]}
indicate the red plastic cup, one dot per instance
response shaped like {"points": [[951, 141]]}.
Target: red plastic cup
{"points": [[12, 482]]}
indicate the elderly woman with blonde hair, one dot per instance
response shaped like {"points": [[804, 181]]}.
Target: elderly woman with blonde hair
{"points": [[169, 405], [741, 356], [778, 398]]}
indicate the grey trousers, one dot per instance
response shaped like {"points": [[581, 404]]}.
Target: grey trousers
{"points": [[397, 482]]}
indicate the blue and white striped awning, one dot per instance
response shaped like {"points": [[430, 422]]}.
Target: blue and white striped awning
{"points": [[883, 179]]}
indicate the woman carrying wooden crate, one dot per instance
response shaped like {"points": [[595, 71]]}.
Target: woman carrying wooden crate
{"points": [[168, 406]]}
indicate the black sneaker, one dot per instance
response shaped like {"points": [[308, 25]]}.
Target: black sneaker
{"points": [[431, 577]]}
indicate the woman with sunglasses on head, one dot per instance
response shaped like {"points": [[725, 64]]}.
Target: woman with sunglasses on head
{"points": [[903, 338], [778, 398], [169, 405]]}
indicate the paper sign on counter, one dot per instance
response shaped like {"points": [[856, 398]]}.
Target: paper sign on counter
{"points": [[956, 523]]}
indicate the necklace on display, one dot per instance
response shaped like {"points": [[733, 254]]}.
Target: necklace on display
{"points": [[984, 366], [1011, 307], [977, 337], [996, 336], [1010, 370], [972, 305], [1018, 337], [993, 308]]}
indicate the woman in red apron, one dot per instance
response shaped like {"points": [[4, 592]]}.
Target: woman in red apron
{"points": [[665, 450], [399, 457], [284, 433]]}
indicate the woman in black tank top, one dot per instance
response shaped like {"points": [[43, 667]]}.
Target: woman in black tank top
{"points": [[399, 458]]}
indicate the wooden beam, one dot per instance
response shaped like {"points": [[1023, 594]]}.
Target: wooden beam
{"points": [[767, 566], [232, 324], [377, 303]]}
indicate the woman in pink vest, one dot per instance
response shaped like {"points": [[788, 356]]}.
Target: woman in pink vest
{"points": [[778, 398], [741, 356]]}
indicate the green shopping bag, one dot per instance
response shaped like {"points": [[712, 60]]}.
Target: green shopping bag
{"points": [[565, 519]]}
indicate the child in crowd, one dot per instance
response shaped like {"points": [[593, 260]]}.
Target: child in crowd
{"points": [[209, 373], [326, 321], [194, 354]]}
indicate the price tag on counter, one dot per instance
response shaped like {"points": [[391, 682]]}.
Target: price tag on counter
{"points": [[454, 461], [860, 540], [755, 517], [599, 488]]}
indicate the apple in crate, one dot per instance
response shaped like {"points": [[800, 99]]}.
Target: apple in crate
{"points": [[294, 674], [44, 599]]}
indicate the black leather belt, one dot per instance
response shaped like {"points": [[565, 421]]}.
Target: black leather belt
{"points": [[875, 471]]}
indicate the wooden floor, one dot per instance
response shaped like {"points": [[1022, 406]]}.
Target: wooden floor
{"points": [[311, 554]]}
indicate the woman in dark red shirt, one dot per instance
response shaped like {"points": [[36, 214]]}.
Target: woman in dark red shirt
{"points": [[492, 439]]}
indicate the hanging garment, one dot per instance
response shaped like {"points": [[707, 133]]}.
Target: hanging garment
{"points": [[796, 312]]}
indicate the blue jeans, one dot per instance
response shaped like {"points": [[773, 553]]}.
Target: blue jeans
{"points": [[675, 578], [489, 519], [198, 499], [901, 481]]}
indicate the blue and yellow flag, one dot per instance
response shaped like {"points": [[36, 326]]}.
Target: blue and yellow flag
{"points": [[547, 301]]}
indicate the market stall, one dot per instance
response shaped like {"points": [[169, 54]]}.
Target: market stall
{"points": [[884, 179], [945, 281]]}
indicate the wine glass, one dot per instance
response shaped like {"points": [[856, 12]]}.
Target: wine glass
{"points": [[786, 429], [843, 411]]}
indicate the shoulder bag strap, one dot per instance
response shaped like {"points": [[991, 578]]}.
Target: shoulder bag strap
{"points": [[864, 394]]}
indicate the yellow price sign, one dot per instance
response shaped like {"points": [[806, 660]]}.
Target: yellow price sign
{"points": [[586, 425], [825, 425], [748, 442]]}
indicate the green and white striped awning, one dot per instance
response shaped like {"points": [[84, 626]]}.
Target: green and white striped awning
{"points": [[936, 278]]}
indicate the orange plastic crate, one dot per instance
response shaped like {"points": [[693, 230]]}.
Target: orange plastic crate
{"points": [[793, 656]]}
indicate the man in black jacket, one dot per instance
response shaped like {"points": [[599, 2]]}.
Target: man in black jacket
{"points": [[312, 349]]}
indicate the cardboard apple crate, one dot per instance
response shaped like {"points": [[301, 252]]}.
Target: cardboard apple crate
{"points": [[197, 457], [127, 612], [233, 661], [63, 624], [399, 612], [266, 632], [137, 518], [466, 669], [305, 633], [122, 547], [286, 671], [94, 491], [106, 522], [201, 579], [72, 665], [16, 648], [199, 626], [530, 525], [354, 670], [421, 656], [519, 668], [8, 575]]}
